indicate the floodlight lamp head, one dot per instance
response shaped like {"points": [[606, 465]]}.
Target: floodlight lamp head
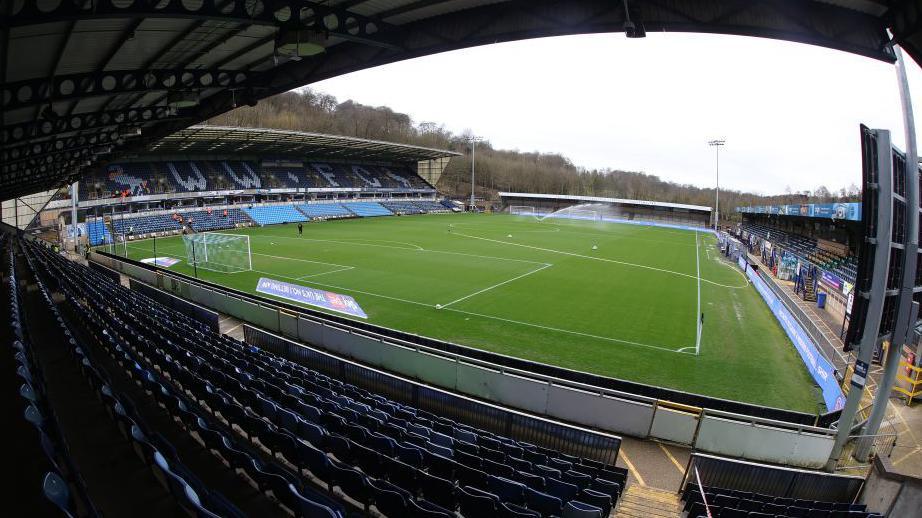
{"points": [[182, 99], [299, 43]]}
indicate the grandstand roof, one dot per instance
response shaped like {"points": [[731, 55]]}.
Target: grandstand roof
{"points": [[223, 139], [80, 78], [595, 199]]}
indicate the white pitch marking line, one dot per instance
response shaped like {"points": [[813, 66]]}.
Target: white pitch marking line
{"points": [[497, 285], [628, 342], [698, 313], [346, 268], [600, 259], [302, 260]]}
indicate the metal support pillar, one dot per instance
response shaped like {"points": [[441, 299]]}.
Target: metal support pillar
{"points": [[906, 311], [883, 189], [73, 214]]}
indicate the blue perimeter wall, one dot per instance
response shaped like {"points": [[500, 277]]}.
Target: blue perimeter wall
{"points": [[820, 368]]}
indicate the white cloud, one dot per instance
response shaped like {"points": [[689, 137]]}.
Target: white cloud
{"points": [[789, 112]]}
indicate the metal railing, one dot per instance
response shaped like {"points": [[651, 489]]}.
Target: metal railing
{"points": [[771, 480], [517, 425]]}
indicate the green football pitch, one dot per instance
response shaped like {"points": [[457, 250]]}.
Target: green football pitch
{"points": [[613, 299]]}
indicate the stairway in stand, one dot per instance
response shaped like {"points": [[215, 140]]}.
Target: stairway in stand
{"points": [[645, 502], [809, 288]]}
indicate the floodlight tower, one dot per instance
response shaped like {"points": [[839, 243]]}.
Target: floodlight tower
{"points": [[473, 139], [716, 143]]}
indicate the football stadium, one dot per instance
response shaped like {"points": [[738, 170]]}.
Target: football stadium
{"points": [[212, 318]]}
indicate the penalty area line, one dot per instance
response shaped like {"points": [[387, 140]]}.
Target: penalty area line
{"points": [[309, 276], [497, 285]]}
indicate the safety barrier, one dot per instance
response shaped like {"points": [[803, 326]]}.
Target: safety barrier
{"points": [[535, 430], [206, 316], [771, 480], [912, 377]]}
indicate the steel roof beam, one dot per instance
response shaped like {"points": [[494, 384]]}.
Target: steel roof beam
{"points": [[295, 14], [40, 129], [114, 82]]}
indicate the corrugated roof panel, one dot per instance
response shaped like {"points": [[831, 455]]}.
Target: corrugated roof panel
{"points": [[32, 52], [89, 44], [437, 9], [150, 38]]}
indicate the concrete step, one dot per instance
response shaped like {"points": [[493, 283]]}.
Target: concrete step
{"points": [[646, 502]]}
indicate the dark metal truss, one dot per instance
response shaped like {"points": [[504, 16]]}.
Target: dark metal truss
{"points": [[293, 14], [38, 129], [58, 145], [76, 86]]}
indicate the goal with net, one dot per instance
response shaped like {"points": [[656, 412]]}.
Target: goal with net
{"points": [[522, 210], [227, 253], [581, 212]]}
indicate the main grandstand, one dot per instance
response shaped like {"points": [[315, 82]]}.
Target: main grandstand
{"points": [[380, 354], [210, 178]]}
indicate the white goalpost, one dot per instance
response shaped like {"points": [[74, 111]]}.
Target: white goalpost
{"points": [[228, 253], [118, 244], [522, 210]]}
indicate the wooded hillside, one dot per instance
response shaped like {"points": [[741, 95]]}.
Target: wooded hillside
{"points": [[497, 169]]}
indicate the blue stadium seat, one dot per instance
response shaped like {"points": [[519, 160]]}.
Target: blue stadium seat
{"points": [[368, 209], [274, 214]]}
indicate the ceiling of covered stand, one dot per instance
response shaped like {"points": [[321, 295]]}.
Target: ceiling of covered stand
{"points": [[78, 78], [269, 142]]}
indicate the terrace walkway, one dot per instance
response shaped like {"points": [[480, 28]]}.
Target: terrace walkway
{"points": [[905, 422]]}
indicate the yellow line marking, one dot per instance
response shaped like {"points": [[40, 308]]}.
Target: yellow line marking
{"points": [[904, 457], [671, 458], [631, 468]]}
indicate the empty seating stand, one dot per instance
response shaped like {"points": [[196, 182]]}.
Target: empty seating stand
{"points": [[403, 207], [368, 209], [743, 504], [807, 248], [97, 233], [319, 445], [150, 178], [142, 225], [324, 211], [204, 221], [274, 215]]}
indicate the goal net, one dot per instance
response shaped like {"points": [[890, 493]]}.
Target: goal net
{"points": [[587, 212], [118, 245], [227, 253], [522, 210]]}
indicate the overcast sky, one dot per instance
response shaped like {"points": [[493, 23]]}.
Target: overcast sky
{"points": [[789, 112]]}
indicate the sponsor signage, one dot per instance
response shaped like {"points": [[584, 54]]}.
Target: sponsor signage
{"points": [[839, 211], [310, 296], [819, 367], [860, 376], [832, 280], [166, 262]]}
